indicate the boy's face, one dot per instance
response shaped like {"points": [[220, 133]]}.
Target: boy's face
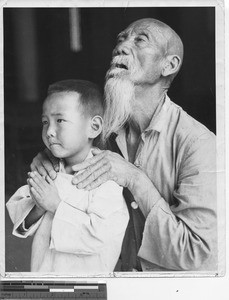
{"points": [[65, 127]]}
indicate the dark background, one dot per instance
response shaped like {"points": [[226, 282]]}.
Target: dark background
{"points": [[37, 52]]}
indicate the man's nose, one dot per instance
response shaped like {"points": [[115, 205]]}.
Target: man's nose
{"points": [[123, 48]]}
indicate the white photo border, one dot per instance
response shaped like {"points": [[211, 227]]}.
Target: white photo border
{"points": [[220, 120]]}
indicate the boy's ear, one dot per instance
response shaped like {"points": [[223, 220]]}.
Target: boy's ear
{"points": [[95, 127], [171, 65]]}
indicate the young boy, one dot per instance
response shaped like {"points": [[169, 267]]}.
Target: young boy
{"points": [[75, 231]]}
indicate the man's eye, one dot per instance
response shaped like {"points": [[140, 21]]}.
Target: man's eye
{"points": [[140, 39], [120, 39], [44, 122]]}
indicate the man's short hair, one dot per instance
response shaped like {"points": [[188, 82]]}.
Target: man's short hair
{"points": [[91, 99]]}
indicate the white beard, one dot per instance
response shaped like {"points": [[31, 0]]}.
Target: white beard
{"points": [[119, 97]]}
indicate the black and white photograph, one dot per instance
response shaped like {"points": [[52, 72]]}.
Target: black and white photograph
{"points": [[112, 120]]}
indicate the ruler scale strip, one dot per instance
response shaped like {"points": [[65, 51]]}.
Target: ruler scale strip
{"points": [[52, 290]]}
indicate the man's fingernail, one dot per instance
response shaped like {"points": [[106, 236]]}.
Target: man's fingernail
{"points": [[74, 180], [52, 174]]}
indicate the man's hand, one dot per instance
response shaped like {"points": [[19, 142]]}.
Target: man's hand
{"points": [[105, 165], [45, 164], [44, 192]]}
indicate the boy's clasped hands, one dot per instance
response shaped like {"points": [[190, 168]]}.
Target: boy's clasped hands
{"points": [[43, 192]]}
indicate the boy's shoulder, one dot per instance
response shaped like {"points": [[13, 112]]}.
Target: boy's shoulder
{"points": [[109, 187], [64, 184]]}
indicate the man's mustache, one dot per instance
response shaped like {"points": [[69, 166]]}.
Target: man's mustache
{"points": [[120, 61]]}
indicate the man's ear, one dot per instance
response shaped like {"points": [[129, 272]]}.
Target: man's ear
{"points": [[95, 127], [171, 65]]}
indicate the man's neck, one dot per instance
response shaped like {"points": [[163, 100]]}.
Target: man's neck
{"points": [[145, 104]]}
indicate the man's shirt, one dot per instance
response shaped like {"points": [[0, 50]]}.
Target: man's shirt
{"points": [[178, 154]]}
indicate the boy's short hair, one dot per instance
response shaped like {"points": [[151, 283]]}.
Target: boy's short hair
{"points": [[91, 98]]}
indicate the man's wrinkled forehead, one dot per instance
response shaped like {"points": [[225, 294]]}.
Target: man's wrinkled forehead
{"points": [[152, 29]]}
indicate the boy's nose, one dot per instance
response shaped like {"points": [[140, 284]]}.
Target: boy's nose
{"points": [[51, 132]]}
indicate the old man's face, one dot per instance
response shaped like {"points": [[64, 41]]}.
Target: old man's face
{"points": [[136, 61], [139, 53], [139, 60]]}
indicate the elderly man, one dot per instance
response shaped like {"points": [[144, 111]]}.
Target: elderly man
{"points": [[166, 159]]}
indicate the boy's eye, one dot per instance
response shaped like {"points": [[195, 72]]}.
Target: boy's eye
{"points": [[60, 120], [44, 122]]}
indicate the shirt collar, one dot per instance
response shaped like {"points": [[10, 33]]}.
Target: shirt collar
{"points": [[158, 120], [61, 162]]}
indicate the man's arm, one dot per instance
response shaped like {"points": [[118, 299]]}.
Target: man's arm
{"points": [[107, 165], [183, 236]]}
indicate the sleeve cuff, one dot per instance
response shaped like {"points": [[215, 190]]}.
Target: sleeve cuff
{"points": [[21, 231]]}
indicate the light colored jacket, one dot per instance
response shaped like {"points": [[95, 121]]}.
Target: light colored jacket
{"points": [[84, 236]]}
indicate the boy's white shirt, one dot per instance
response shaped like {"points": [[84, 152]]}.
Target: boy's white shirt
{"points": [[84, 236]]}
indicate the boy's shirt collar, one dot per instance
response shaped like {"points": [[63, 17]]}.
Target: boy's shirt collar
{"points": [[62, 164]]}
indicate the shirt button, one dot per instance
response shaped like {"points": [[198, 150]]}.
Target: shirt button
{"points": [[134, 205]]}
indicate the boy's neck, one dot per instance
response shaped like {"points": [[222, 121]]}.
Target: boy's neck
{"points": [[74, 160]]}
